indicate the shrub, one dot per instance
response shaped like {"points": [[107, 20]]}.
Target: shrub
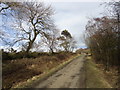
{"points": [[6, 56]]}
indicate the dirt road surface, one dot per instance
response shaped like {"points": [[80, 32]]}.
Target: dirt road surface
{"points": [[71, 76]]}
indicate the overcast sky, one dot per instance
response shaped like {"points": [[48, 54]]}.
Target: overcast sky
{"points": [[73, 16]]}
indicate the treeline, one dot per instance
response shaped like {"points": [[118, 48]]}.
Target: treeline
{"points": [[20, 55], [31, 29], [103, 38]]}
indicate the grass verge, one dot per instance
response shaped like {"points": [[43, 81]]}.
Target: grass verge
{"points": [[94, 76]]}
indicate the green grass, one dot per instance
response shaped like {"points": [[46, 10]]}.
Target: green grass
{"points": [[94, 76]]}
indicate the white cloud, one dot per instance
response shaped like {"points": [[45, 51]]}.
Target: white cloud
{"points": [[75, 0], [74, 17], [58, 0]]}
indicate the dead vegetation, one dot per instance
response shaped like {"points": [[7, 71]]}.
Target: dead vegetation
{"points": [[111, 76], [16, 71], [97, 77]]}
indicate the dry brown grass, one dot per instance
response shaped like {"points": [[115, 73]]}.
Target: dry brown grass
{"points": [[16, 71], [111, 76], [94, 76], [99, 78]]}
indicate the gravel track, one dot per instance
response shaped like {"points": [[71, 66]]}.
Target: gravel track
{"points": [[71, 76]]}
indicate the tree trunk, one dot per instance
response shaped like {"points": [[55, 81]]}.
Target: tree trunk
{"points": [[51, 50], [30, 44]]}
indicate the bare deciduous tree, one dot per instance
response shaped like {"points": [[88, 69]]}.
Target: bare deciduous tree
{"points": [[50, 40], [31, 20]]}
